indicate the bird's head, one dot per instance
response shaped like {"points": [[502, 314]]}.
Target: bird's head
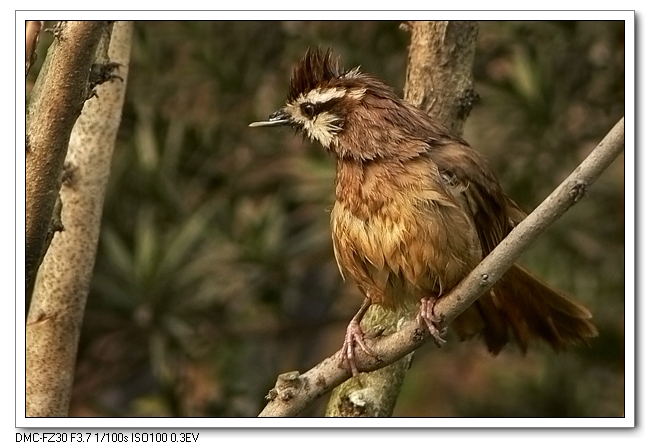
{"points": [[352, 114], [324, 98]]}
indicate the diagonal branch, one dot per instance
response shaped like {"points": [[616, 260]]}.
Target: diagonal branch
{"points": [[294, 391]]}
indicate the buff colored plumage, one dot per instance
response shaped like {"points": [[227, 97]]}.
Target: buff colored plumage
{"points": [[416, 210]]}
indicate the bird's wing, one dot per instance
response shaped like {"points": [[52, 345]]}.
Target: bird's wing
{"points": [[469, 177]]}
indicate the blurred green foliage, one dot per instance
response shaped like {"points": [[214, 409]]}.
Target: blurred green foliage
{"points": [[215, 270]]}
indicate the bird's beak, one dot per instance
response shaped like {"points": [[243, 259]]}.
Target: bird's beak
{"points": [[277, 118]]}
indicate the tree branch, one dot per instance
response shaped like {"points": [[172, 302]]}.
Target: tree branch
{"points": [[292, 395], [32, 33], [439, 74], [373, 394], [52, 109], [63, 280]]}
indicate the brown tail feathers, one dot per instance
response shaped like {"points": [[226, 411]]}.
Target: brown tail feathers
{"points": [[522, 307]]}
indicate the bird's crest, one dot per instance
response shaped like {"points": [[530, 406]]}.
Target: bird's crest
{"points": [[314, 69]]}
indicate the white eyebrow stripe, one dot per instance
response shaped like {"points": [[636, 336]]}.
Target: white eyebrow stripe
{"points": [[357, 94], [317, 96]]}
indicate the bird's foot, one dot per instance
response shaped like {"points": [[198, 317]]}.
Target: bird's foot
{"points": [[354, 338], [427, 317]]}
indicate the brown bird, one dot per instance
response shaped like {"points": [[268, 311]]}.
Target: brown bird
{"points": [[416, 210]]}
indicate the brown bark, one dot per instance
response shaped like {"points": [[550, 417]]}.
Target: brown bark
{"points": [[63, 280], [439, 75], [32, 33], [52, 109]]}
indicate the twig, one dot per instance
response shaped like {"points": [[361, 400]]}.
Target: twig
{"points": [[287, 400]]}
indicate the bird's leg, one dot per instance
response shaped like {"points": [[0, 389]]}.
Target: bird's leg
{"points": [[427, 317], [354, 337]]}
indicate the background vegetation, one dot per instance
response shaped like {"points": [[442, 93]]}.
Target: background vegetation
{"points": [[215, 271]]}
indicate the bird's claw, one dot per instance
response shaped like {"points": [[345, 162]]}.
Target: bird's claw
{"points": [[427, 317], [354, 338]]}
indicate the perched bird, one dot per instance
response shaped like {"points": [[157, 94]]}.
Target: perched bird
{"points": [[416, 210]]}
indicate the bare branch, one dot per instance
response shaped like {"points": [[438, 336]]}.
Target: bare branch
{"points": [[305, 388], [373, 394]]}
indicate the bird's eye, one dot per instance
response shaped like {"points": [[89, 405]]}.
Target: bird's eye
{"points": [[308, 109]]}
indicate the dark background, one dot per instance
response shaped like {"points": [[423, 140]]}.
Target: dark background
{"points": [[215, 270]]}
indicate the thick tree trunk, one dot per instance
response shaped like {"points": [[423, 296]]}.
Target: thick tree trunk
{"points": [[52, 109], [63, 280], [439, 73]]}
